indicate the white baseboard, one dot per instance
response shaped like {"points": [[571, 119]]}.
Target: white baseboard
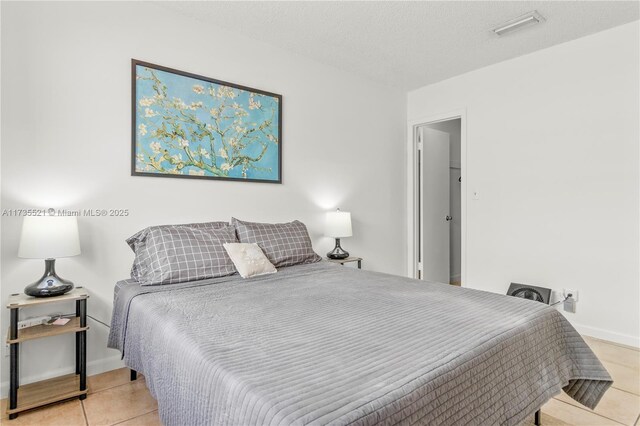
{"points": [[611, 336], [93, 367]]}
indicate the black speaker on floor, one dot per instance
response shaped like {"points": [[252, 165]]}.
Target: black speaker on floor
{"points": [[531, 292]]}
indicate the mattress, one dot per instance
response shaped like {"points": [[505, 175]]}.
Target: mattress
{"points": [[322, 344]]}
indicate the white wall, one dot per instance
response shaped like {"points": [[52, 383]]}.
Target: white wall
{"points": [[552, 148], [66, 143], [453, 128]]}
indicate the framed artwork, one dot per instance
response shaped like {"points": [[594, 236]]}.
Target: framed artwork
{"points": [[189, 126]]}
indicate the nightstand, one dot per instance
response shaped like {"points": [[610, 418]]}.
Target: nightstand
{"points": [[348, 260], [34, 395]]}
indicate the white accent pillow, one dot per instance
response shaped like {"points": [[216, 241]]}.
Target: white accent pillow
{"points": [[249, 259]]}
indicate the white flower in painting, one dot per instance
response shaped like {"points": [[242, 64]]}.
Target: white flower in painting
{"points": [[233, 141], [155, 147], [140, 158], [204, 153], [225, 167], [225, 91], [183, 143], [271, 138], [179, 104], [215, 112], [148, 112], [223, 153], [142, 129], [241, 113], [196, 172], [174, 171], [253, 104], [235, 105], [195, 105], [198, 89], [240, 129], [176, 158], [209, 127], [145, 102]]}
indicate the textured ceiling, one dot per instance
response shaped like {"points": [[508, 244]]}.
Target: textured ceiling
{"points": [[408, 44]]}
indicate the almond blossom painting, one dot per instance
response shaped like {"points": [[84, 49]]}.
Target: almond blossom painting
{"points": [[186, 125]]}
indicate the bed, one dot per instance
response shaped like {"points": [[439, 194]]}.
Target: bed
{"points": [[324, 344]]}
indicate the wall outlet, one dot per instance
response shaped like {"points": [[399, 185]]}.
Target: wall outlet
{"points": [[7, 352], [567, 291]]}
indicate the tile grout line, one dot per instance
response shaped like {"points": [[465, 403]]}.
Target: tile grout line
{"points": [[127, 383], [134, 417], [84, 413], [624, 390], [590, 412], [111, 387], [106, 389]]}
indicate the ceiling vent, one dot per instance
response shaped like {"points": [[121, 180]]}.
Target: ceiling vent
{"points": [[523, 21]]}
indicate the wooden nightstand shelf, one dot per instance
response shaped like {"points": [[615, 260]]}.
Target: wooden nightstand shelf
{"points": [[34, 395], [347, 260]]}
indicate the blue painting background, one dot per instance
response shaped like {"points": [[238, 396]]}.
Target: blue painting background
{"points": [[152, 111]]}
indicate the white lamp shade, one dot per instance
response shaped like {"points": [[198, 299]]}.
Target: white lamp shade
{"points": [[338, 224], [49, 237]]}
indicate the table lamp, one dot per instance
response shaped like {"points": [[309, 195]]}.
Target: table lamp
{"points": [[48, 238], [338, 225]]}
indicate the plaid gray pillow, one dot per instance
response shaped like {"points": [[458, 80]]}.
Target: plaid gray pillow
{"points": [[137, 242], [284, 244], [138, 238], [170, 254]]}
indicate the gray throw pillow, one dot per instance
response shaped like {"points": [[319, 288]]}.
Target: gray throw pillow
{"points": [[170, 254], [284, 244]]}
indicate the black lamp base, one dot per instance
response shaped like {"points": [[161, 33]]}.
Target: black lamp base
{"points": [[338, 252], [50, 284]]}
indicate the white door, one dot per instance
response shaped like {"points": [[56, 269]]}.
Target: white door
{"points": [[433, 147]]}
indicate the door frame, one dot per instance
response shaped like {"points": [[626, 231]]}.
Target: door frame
{"points": [[412, 189]]}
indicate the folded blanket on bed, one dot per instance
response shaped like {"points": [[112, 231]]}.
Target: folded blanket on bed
{"points": [[324, 344]]}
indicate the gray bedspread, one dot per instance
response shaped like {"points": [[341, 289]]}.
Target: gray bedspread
{"points": [[324, 344]]}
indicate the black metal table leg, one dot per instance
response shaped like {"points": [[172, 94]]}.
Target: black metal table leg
{"points": [[359, 264], [13, 353], [77, 340], [134, 375], [536, 419], [82, 340]]}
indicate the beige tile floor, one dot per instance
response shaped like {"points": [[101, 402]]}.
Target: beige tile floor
{"points": [[114, 400]]}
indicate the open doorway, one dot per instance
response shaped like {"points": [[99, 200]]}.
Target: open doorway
{"points": [[437, 208]]}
